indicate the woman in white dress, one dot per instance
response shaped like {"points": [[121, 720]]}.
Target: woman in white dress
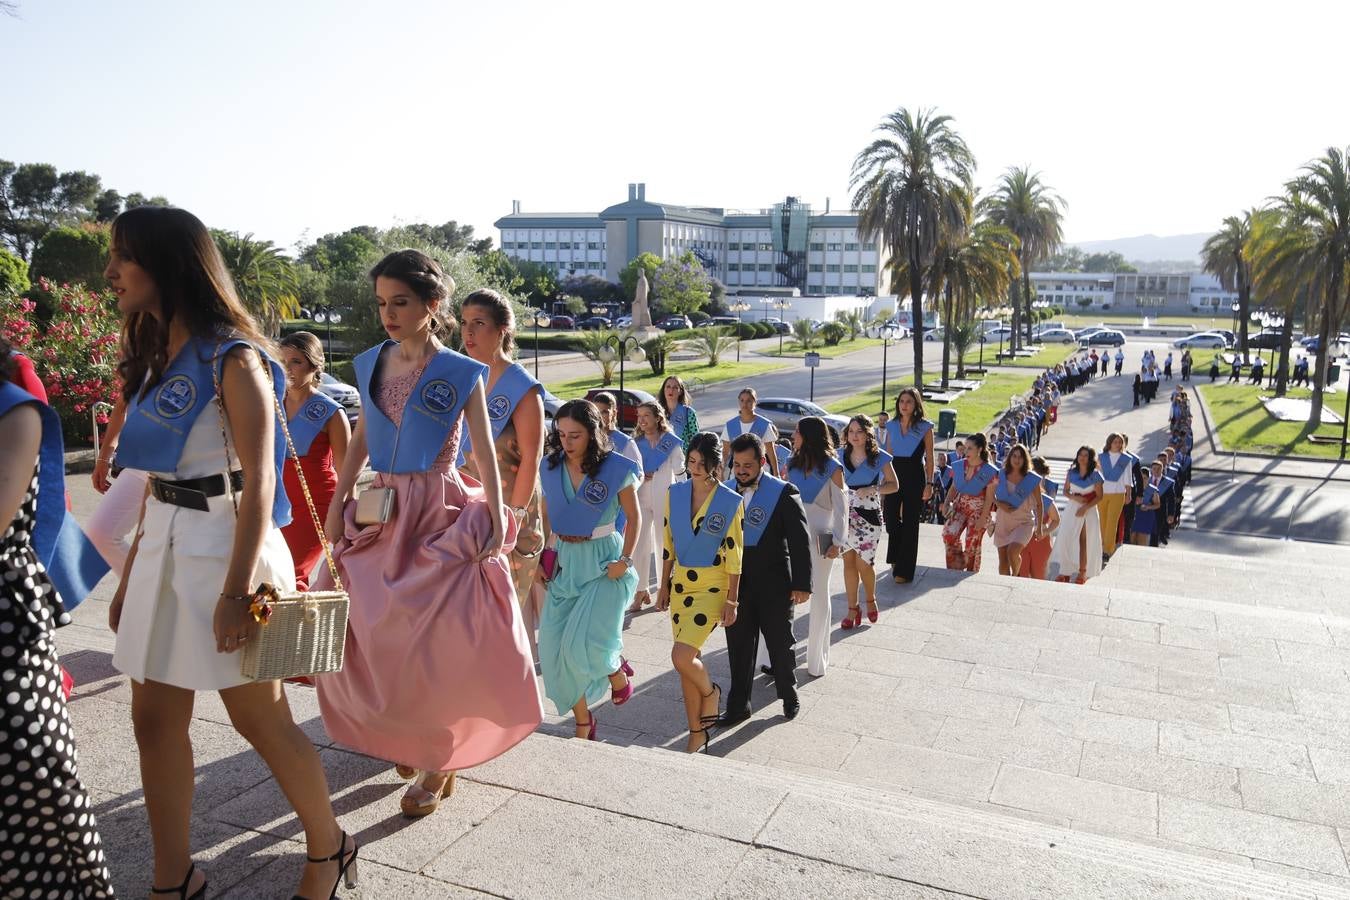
{"points": [[201, 422], [814, 470], [1078, 546], [662, 454]]}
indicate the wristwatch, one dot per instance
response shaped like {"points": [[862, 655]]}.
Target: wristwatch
{"points": [[626, 560], [518, 511]]}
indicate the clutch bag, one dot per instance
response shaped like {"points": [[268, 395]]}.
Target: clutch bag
{"points": [[375, 506]]}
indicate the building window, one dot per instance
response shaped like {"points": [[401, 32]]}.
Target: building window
{"points": [[869, 269], [850, 247], [832, 268], [851, 269], [815, 267], [535, 245], [834, 246], [550, 245], [817, 248], [766, 246], [869, 246], [733, 267], [766, 267], [594, 245]]}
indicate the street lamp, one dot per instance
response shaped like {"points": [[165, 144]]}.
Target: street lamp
{"points": [[328, 315], [780, 305], [887, 335], [739, 307], [1236, 306], [618, 344], [540, 321]]}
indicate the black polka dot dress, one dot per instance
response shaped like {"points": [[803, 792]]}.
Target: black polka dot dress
{"points": [[49, 844], [698, 593]]}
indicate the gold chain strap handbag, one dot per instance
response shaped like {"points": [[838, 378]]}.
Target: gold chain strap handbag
{"points": [[301, 632]]}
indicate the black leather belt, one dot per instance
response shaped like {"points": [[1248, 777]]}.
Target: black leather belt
{"points": [[192, 493]]}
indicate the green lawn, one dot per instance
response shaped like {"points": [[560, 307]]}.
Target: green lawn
{"points": [[793, 349], [1245, 426], [641, 377], [974, 409], [1123, 317], [1047, 356]]}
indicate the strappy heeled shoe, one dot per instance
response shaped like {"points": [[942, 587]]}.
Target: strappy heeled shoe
{"points": [[346, 866], [641, 599], [1082, 577], [407, 773], [853, 618], [702, 748], [711, 720], [621, 696], [589, 725], [872, 612], [418, 801], [181, 890]]}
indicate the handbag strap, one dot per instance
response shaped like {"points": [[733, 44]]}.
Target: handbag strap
{"points": [[290, 447]]}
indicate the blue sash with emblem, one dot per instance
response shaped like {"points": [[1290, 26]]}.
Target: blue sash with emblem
{"points": [[620, 441], [782, 455], [699, 549], [1111, 471], [976, 483], [679, 418], [906, 443], [1094, 477], [73, 564], [159, 419], [1050, 488], [865, 474], [1150, 494], [429, 415], [1047, 501], [759, 427], [309, 420], [1016, 496], [653, 458], [502, 401], [578, 516], [810, 484], [761, 507]]}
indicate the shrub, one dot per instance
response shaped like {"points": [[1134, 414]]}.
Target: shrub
{"points": [[832, 333], [657, 349], [764, 329], [13, 273], [74, 255]]}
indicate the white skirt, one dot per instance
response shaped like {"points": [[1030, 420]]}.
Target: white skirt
{"points": [[1065, 552], [166, 633]]}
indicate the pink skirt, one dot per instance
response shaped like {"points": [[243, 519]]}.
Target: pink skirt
{"points": [[438, 673]]}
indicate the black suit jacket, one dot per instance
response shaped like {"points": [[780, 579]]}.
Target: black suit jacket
{"points": [[781, 561]]}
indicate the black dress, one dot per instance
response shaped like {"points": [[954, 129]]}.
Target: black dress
{"points": [[49, 844], [903, 511]]}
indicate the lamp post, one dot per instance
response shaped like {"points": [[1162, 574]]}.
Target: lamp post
{"points": [[329, 316], [780, 305], [739, 307], [887, 335], [540, 321], [1236, 307], [618, 344]]}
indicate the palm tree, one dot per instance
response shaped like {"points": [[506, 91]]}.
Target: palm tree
{"points": [[1028, 208], [1274, 256], [806, 336], [593, 346], [265, 278], [907, 187], [963, 335], [711, 343], [1227, 256]]}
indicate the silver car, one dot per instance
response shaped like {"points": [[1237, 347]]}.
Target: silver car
{"points": [[785, 412], [348, 397]]}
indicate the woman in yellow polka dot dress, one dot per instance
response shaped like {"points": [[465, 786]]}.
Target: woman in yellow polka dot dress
{"points": [[700, 575]]}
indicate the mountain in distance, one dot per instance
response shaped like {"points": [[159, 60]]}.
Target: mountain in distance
{"points": [[1151, 247]]}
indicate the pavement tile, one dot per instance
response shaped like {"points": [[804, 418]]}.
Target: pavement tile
{"points": [[915, 665], [1045, 638], [1315, 655], [810, 745], [1331, 766], [948, 700], [1024, 746], [873, 717], [1318, 679], [887, 637], [1219, 642], [932, 772], [276, 882], [1321, 704], [1053, 597], [761, 875], [856, 683], [1296, 874], [1251, 834], [1106, 626], [1296, 798], [1150, 654], [1112, 805], [1224, 690], [1148, 770], [1002, 611], [1302, 629], [1030, 686], [521, 852], [1090, 725], [1098, 669], [989, 652], [1284, 726], [1129, 605], [1241, 751], [940, 623]]}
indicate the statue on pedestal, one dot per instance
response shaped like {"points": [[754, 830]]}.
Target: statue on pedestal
{"points": [[642, 314]]}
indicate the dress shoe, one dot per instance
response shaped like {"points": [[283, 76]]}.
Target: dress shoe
{"points": [[791, 707], [728, 719], [766, 670]]}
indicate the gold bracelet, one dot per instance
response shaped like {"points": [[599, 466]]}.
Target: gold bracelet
{"points": [[732, 603]]}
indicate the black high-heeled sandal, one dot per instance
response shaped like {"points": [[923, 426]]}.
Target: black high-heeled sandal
{"points": [[708, 721], [703, 731], [346, 869], [181, 890]]}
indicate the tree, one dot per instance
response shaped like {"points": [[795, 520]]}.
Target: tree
{"points": [[13, 274], [35, 198], [107, 206], [500, 269], [963, 336], [1066, 259], [265, 278], [1029, 209], [591, 344], [592, 289], [451, 237], [907, 186], [969, 267], [1109, 261], [657, 349], [711, 343], [346, 255], [575, 306], [806, 336], [72, 255], [628, 276], [1227, 256], [538, 281], [681, 286], [853, 321]]}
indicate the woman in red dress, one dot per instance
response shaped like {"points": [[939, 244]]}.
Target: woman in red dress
{"points": [[320, 431]]}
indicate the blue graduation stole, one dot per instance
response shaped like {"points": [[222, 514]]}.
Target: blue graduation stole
{"points": [[762, 505], [505, 396], [429, 415], [578, 516], [782, 455], [866, 474], [679, 418], [1166, 485], [976, 483], [72, 563], [1047, 501], [1094, 477], [158, 420], [621, 442], [1150, 493], [653, 458], [1018, 495], [811, 483], [905, 444], [953, 458], [697, 550], [758, 427], [1050, 487], [1112, 471], [311, 419]]}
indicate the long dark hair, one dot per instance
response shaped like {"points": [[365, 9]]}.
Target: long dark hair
{"points": [[817, 445], [424, 277], [709, 446], [684, 393], [1091, 465], [585, 413], [1026, 459], [917, 397], [869, 437], [137, 343], [500, 311], [979, 440], [179, 254]]}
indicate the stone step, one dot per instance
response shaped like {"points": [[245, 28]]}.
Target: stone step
{"points": [[931, 844]]}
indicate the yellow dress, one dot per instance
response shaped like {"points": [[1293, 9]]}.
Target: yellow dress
{"points": [[698, 593]]}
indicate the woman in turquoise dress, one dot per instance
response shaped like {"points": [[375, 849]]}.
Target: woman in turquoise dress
{"points": [[591, 578]]}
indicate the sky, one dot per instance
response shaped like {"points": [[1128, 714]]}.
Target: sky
{"points": [[290, 119]]}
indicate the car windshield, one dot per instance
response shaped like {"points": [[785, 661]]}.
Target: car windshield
{"points": [[811, 409], [328, 379]]}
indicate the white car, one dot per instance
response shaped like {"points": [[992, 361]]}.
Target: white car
{"points": [[1056, 336], [933, 334], [1205, 340], [348, 397]]}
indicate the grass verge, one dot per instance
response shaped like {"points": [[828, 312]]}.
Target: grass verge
{"points": [[1047, 356], [1245, 426], [793, 349], [975, 410], [641, 377]]}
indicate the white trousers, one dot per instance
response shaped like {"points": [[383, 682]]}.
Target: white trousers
{"points": [[647, 553], [115, 518], [818, 631]]}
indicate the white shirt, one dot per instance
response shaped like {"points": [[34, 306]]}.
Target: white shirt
{"points": [[770, 435], [1123, 483]]}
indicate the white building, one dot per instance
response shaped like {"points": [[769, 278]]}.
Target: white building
{"points": [[1134, 293]]}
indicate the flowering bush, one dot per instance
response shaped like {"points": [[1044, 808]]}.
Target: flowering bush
{"points": [[75, 353]]}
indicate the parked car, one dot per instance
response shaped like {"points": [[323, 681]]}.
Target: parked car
{"points": [[1228, 336], [1104, 338], [779, 326], [898, 332], [674, 323], [1205, 340], [1001, 333], [629, 400], [623, 322], [785, 412], [1084, 333], [348, 397], [594, 323], [1338, 346], [1264, 340], [935, 333], [1055, 336], [562, 322], [717, 322]]}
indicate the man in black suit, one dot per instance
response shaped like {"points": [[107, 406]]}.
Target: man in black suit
{"points": [[775, 574]]}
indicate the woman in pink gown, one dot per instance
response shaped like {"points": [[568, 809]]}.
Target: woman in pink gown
{"points": [[438, 674]]}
